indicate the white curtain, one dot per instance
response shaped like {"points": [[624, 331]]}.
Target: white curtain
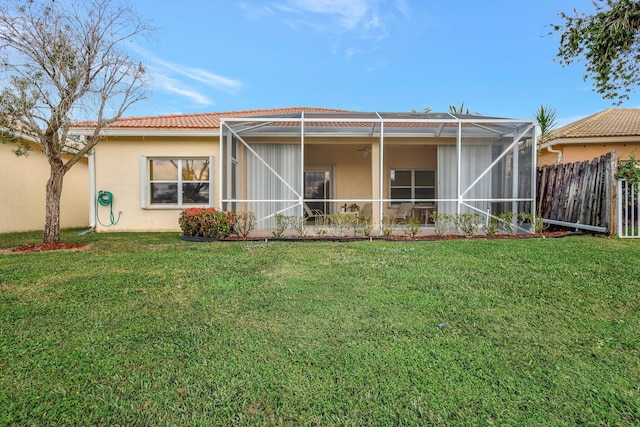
{"points": [[475, 159], [264, 184]]}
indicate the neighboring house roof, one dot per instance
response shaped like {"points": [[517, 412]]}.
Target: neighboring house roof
{"points": [[613, 122]]}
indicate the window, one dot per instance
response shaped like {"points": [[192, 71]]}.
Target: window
{"points": [[178, 182], [408, 184]]}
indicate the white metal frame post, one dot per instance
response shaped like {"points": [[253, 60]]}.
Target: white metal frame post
{"points": [[459, 168], [302, 189], [534, 174], [381, 177], [515, 171], [221, 160]]}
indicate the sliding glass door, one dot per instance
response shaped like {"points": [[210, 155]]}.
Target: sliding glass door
{"points": [[317, 189]]}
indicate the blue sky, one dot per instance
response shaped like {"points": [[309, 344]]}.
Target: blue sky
{"points": [[366, 55]]}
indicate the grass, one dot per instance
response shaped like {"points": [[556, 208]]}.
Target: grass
{"points": [[144, 329]]}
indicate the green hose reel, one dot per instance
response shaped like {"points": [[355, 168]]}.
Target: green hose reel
{"points": [[105, 198]]}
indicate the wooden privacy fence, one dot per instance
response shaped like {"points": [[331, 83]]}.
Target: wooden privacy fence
{"points": [[581, 192]]}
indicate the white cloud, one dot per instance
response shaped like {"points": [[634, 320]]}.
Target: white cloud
{"points": [[168, 84], [366, 19], [190, 82], [350, 14]]}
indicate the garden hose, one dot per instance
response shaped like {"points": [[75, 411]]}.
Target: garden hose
{"points": [[105, 198]]}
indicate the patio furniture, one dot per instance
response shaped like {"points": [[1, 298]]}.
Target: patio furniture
{"points": [[404, 211], [312, 213], [424, 212]]}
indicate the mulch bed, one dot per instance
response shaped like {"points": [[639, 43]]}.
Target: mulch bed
{"points": [[46, 247], [546, 234], [62, 246]]}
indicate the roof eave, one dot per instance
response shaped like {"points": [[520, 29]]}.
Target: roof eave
{"points": [[149, 132], [591, 140]]}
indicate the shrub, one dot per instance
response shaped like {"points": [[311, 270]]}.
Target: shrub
{"points": [[492, 227], [467, 223], [388, 225], [441, 222], [206, 222], [321, 225], [299, 225], [243, 223], [536, 221], [506, 222], [342, 223], [411, 227], [282, 223], [629, 171], [364, 226]]}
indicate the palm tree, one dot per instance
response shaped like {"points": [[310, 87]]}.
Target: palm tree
{"points": [[460, 110], [547, 120]]}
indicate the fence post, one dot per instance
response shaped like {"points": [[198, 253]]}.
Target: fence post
{"points": [[619, 208], [613, 194]]}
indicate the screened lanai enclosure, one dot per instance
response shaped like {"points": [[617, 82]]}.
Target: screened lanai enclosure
{"points": [[377, 164]]}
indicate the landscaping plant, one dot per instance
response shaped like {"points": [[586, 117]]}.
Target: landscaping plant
{"points": [[441, 222], [467, 223], [342, 223], [244, 223], [364, 226], [321, 225], [411, 227], [299, 225], [282, 224], [506, 222], [206, 222], [388, 226]]}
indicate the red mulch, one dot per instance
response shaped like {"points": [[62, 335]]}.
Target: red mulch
{"points": [[407, 238], [482, 236], [45, 247]]}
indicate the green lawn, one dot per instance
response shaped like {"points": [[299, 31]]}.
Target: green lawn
{"points": [[144, 329]]}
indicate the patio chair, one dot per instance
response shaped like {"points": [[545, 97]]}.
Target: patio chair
{"points": [[312, 213], [404, 211]]}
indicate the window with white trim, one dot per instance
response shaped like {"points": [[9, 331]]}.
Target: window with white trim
{"points": [[411, 184], [178, 181]]}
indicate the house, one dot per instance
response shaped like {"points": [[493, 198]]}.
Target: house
{"points": [[292, 160], [614, 129], [22, 193]]}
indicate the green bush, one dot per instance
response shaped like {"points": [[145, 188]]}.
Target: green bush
{"points": [[282, 224], [243, 223], [441, 222], [206, 222], [388, 225], [411, 227], [467, 223]]}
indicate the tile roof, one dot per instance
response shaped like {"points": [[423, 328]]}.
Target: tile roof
{"points": [[613, 122], [202, 121]]}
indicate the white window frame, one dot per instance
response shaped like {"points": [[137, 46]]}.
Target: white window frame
{"points": [[413, 183], [145, 181]]}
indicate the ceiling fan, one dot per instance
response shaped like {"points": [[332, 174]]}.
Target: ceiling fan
{"points": [[365, 150]]}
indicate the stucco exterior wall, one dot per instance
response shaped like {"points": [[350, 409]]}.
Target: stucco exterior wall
{"points": [[22, 193], [118, 170], [580, 152]]}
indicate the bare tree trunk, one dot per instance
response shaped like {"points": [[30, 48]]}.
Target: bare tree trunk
{"points": [[52, 214]]}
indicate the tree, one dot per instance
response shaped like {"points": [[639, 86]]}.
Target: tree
{"points": [[547, 120], [608, 41], [62, 61], [460, 110], [424, 110]]}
